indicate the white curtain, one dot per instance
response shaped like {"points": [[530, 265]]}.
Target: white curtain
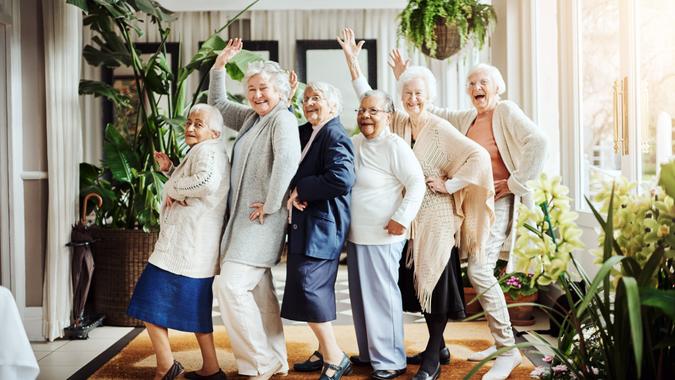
{"points": [[62, 39], [287, 27]]}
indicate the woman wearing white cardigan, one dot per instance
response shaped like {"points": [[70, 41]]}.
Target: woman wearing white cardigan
{"points": [[175, 288], [517, 148]]}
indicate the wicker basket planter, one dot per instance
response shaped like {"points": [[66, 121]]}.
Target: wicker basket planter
{"points": [[448, 41], [119, 256]]}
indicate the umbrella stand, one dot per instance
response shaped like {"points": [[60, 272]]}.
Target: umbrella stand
{"points": [[82, 269]]}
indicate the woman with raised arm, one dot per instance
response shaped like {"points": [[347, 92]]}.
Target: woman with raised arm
{"points": [[517, 148], [460, 193], [265, 158]]}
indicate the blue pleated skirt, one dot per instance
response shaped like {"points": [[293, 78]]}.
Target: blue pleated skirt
{"points": [[173, 301]]}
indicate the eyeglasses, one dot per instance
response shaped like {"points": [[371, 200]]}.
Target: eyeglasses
{"points": [[371, 111], [483, 82], [312, 99]]}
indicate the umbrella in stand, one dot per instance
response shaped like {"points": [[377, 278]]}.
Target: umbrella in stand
{"points": [[82, 266]]}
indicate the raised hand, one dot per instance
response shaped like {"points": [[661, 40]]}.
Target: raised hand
{"points": [[233, 47], [293, 80], [349, 45], [162, 160], [397, 63]]}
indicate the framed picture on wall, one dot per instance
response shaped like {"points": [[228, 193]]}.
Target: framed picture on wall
{"points": [[267, 49], [323, 60], [122, 78]]}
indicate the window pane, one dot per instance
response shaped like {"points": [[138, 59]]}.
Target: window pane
{"points": [[657, 85]]}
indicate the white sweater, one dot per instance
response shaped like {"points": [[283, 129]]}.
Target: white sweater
{"points": [[386, 168], [189, 237]]}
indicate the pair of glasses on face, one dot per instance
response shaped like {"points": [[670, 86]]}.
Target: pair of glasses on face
{"points": [[311, 99], [370, 111]]}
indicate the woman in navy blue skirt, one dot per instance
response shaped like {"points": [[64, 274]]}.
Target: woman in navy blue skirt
{"points": [[319, 221], [174, 290]]}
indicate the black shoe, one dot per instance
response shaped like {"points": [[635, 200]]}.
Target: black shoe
{"points": [[220, 375], [417, 359], [310, 365], [343, 369], [173, 372], [358, 362], [386, 374], [423, 375]]}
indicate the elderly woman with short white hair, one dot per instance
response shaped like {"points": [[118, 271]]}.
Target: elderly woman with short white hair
{"points": [[319, 221], [265, 158], [517, 148], [460, 191]]}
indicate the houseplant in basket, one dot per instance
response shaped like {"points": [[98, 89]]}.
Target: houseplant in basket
{"points": [[440, 28], [127, 179]]}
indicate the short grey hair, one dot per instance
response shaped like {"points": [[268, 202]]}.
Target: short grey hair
{"points": [[215, 118], [274, 73], [330, 93], [419, 72], [388, 102], [492, 72]]}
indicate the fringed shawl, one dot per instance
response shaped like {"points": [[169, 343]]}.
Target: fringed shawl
{"points": [[444, 152]]}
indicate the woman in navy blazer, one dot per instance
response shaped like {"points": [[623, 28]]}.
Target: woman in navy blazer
{"points": [[319, 222]]}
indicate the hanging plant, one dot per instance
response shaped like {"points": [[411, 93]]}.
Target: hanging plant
{"points": [[441, 28]]}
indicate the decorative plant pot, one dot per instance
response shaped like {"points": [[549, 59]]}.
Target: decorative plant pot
{"points": [[473, 308], [119, 258], [448, 41], [521, 315]]}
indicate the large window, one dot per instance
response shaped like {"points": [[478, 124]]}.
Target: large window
{"points": [[624, 98]]}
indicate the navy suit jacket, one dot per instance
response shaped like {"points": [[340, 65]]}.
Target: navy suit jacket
{"points": [[324, 180]]}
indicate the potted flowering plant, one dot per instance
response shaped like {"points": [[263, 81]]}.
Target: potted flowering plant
{"points": [[519, 288]]}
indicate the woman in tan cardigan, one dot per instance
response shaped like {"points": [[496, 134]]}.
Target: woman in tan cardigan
{"points": [[517, 148], [460, 193]]}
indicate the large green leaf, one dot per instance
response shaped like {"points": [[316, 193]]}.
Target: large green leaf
{"points": [[119, 157], [667, 178], [99, 88], [661, 299], [239, 63], [82, 4], [635, 318], [599, 278]]}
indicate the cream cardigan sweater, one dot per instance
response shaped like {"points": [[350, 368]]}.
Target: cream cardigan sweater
{"points": [[521, 144], [189, 237]]}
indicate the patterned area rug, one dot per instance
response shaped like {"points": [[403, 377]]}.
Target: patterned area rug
{"points": [[137, 361]]}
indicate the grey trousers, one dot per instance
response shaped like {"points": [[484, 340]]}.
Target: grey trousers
{"points": [[483, 280], [376, 303]]}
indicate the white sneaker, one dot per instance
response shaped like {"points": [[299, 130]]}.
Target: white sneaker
{"points": [[480, 355], [503, 366]]}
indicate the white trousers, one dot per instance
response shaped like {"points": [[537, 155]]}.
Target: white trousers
{"points": [[250, 311], [483, 280]]}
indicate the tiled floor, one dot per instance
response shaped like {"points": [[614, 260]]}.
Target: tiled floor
{"points": [[60, 359]]}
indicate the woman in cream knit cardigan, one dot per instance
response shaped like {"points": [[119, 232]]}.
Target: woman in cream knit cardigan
{"points": [[517, 148], [460, 193]]}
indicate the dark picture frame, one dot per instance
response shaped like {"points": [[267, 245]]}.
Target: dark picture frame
{"points": [[303, 46]]}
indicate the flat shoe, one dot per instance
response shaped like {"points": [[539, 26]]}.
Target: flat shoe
{"points": [[193, 375], [173, 372], [358, 362], [417, 359], [386, 374], [423, 375], [310, 365], [342, 369]]}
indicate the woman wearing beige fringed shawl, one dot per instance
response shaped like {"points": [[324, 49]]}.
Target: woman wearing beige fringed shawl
{"points": [[457, 209]]}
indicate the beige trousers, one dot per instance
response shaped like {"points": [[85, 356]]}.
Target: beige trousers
{"points": [[250, 312], [483, 280]]}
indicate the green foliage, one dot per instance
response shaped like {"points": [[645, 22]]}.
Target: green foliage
{"points": [[615, 330], [127, 179], [472, 18]]}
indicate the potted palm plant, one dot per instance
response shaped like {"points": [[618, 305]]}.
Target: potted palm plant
{"points": [[127, 179], [441, 28]]}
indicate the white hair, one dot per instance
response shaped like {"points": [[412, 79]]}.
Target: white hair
{"points": [[215, 118], [274, 73], [492, 72], [330, 93], [419, 72], [386, 99]]}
